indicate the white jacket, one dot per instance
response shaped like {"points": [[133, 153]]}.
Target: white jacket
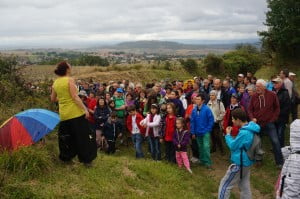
{"points": [[155, 124], [217, 109]]}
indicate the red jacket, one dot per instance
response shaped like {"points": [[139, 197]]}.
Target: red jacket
{"points": [[138, 120], [188, 113], [227, 121], [170, 128], [264, 108], [91, 105]]}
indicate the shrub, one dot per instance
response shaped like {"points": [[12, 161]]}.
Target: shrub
{"points": [[190, 65], [213, 64]]}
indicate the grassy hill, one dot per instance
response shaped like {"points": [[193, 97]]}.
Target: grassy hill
{"points": [[36, 172]]}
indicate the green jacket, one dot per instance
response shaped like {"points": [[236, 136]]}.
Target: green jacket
{"points": [[119, 101]]}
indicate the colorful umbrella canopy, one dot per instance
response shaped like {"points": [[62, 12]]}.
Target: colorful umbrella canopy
{"points": [[26, 128]]}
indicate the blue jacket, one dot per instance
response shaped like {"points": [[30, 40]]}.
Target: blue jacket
{"points": [[202, 121], [243, 139]]}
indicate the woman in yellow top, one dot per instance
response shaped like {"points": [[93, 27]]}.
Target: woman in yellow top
{"points": [[74, 134]]}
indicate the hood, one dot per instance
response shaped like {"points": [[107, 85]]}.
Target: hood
{"points": [[251, 126]]}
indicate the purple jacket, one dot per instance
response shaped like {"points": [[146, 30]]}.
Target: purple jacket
{"points": [[182, 138]]}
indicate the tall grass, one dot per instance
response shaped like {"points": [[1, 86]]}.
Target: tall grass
{"points": [[26, 162]]}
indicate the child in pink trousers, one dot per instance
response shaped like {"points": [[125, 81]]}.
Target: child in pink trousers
{"points": [[181, 140]]}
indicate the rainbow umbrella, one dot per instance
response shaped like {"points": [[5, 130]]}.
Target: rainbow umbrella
{"points": [[26, 128]]}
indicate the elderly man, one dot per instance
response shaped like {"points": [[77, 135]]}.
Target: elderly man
{"points": [[220, 91], [285, 105], [264, 109]]}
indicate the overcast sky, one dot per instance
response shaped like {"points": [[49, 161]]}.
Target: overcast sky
{"points": [[66, 22]]}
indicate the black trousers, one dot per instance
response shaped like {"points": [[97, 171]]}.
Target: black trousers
{"points": [[216, 138], [294, 111], [111, 147], [195, 149], [170, 152], [76, 138]]}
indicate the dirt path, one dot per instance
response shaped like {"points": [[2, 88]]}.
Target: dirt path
{"points": [[220, 166]]}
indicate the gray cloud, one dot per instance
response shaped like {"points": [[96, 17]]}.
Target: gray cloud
{"points": [[115, 20]]}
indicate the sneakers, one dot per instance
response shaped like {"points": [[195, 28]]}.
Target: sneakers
{"points": [[190, 171], [194, 160]]}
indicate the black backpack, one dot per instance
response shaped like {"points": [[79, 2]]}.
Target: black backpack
{"points": [[255, 152]]}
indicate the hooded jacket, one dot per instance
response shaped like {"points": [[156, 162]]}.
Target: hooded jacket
{"points": [[243, 139], [265, 108]]}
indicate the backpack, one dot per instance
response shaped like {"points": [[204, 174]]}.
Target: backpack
{"points": [[254, 153]]}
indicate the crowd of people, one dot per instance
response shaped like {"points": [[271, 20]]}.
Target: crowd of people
{"points": [[197, 113]]}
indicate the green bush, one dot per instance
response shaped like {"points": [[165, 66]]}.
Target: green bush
{"points": [[243, 59], [189, 65], [213, 64], [167, 65]]}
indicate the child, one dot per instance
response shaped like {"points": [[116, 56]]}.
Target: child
{"points": [[101, 115], [141, 100], [238, 147], [111, 106], [174, 98], [202, 122], [112, 130], [169, 129], [152, 124], [181, 140], [136, 129], [129, 99], [234, 104]]}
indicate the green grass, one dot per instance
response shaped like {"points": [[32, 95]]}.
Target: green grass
{"points": [[116, 176], [36, 172]]}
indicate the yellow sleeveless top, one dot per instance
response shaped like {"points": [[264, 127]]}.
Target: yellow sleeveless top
{"points": [[68, 109]]}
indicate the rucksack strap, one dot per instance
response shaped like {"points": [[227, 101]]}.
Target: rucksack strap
{"points": [[241, 165], [282, 185]]}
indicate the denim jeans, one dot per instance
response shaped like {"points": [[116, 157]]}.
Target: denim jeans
{"points": [[137, 140], [271, 131], [281, 126], [154, 145]]}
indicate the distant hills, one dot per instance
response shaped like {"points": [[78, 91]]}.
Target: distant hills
{"points": [[177, 47], [167, 47]]}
